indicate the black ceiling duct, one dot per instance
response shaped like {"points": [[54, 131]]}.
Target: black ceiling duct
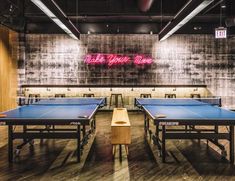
{"points": [[145, 5]]}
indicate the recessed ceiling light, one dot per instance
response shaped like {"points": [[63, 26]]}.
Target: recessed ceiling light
{"points": [[151, 32], [223, 6], [107, 25], [88, 32]]}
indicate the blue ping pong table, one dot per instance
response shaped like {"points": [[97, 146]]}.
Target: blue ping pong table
{"points": [[189, 113], [50, 113]]}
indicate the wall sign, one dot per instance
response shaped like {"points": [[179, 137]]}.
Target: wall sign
{"points": [[221, 32], [112, 60]]}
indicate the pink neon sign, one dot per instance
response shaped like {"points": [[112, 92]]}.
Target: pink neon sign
{"points": [[112, 60], [142, 60], [95, 59]]}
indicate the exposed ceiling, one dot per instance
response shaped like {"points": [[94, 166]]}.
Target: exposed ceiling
{"points": [[112, 16]]}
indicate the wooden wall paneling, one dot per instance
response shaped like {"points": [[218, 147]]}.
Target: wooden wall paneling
{"points": [[2, 59], [13, 43], [5, 69], [1, 65], [8, 70]]}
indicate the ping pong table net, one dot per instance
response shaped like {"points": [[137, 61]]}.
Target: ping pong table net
{"points": [[178, 101], [67, 101]]}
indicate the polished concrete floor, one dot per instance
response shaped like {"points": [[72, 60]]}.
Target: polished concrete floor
{"points": [[50, 159]]}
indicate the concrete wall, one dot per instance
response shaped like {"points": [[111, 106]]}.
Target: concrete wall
{"points": [[181, 59]]}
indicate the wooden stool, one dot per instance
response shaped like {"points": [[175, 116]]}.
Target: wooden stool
{"points": [[170, 95], [88, 95], [145, 95], [116, 102], [22, 101], [195, 95], [33, 98], [120, 130]]}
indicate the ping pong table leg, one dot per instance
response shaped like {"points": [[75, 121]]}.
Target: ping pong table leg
{"points": [[145, 121], [83, 131], [216, 131], [163, 144], [78, 143], [231, 142], [157, 131], [10, 143], [147, 124], [94, 123], [24, 131]]}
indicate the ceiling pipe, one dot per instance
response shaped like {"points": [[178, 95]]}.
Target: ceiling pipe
{"points": [[145, 5]]}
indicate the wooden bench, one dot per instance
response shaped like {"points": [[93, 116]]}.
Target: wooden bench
{"points": [[120, 130]]}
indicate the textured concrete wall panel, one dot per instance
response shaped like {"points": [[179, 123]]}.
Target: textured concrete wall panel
{"points": [[181, 59]]}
